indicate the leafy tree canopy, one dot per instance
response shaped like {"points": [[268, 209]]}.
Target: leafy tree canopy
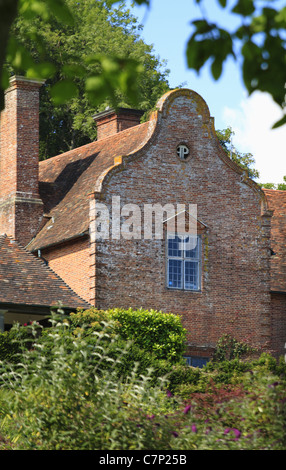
{"points": [[91, 52], [244, 160], [279, 186], [95, 61], [258, 44]]}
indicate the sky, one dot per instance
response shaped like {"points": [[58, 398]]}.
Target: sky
{"points": [[166, 25]]}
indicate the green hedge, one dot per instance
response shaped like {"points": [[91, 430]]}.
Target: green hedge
{"points": [[155, 331], [159, 333]]}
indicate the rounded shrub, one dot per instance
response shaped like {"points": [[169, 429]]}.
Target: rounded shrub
{"points": [[156, 332]]}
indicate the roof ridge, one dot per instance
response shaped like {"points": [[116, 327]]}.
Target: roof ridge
{"points": [[274, 190], [94, 142]]}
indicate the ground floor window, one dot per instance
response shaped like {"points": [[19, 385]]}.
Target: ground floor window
{"points": [[196, 361]]}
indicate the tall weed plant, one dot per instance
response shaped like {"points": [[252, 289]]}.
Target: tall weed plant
{"points": [[63, 390], [65, 396]]}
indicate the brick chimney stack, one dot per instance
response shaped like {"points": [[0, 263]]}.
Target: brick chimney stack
{"points": [[112, 121], [21, 208]]}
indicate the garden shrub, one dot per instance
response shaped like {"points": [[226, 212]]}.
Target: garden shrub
{"points": [[68, 393], [183, 375], [85, 323], [159, 333], [269, 363], [227, 372], [72, 400], [228, 348], [12, 343], [153, 331]]}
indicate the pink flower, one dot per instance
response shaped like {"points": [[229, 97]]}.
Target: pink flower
{"points": [[187, 409], [194, 428], [237, 433]]}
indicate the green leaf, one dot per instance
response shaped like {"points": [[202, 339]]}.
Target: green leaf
{"points": [[30, 8], [94, 84], [61, 11], [18, 56], [222, 3], [98, 31], [73, 70], [44, 70], [244, 7], [203, 27], [110, 65], [5, 79], [280, 18], [63, 91], [97, 89], [279, 123], [216, 68], [142, 2], [45, 9], [198, 52], [258, 24], [251, 51]]}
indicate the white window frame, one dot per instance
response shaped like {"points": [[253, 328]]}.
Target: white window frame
{"points": [[184, 259]]}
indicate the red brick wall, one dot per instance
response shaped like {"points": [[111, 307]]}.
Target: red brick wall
{"points": [[20, 205], [71, 262], [235, 253], [278, 302]]}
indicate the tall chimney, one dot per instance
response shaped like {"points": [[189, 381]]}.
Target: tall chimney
{"points": [[112, 121], [21, 208]]}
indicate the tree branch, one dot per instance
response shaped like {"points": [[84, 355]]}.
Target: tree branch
{"points": [[8, 12]]}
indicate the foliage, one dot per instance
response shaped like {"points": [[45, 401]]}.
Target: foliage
{"points": [[95, 61], [244, 160], [65, 394], [228, 348], [258, 44], [11, 343], [227, 418], [153, 331], [156, 332], [279, 186], [68, 401]]}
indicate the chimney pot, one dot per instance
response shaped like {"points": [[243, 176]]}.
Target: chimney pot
{"points": [[112, 121]]}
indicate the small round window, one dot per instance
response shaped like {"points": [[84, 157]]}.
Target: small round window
{"points": [[183, 151]]}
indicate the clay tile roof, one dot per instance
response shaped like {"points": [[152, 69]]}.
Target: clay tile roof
{"points": [[25, 279], [67, 180], [277, 202]]}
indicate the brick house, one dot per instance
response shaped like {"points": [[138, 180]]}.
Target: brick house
{"points": [[230, 279]]}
